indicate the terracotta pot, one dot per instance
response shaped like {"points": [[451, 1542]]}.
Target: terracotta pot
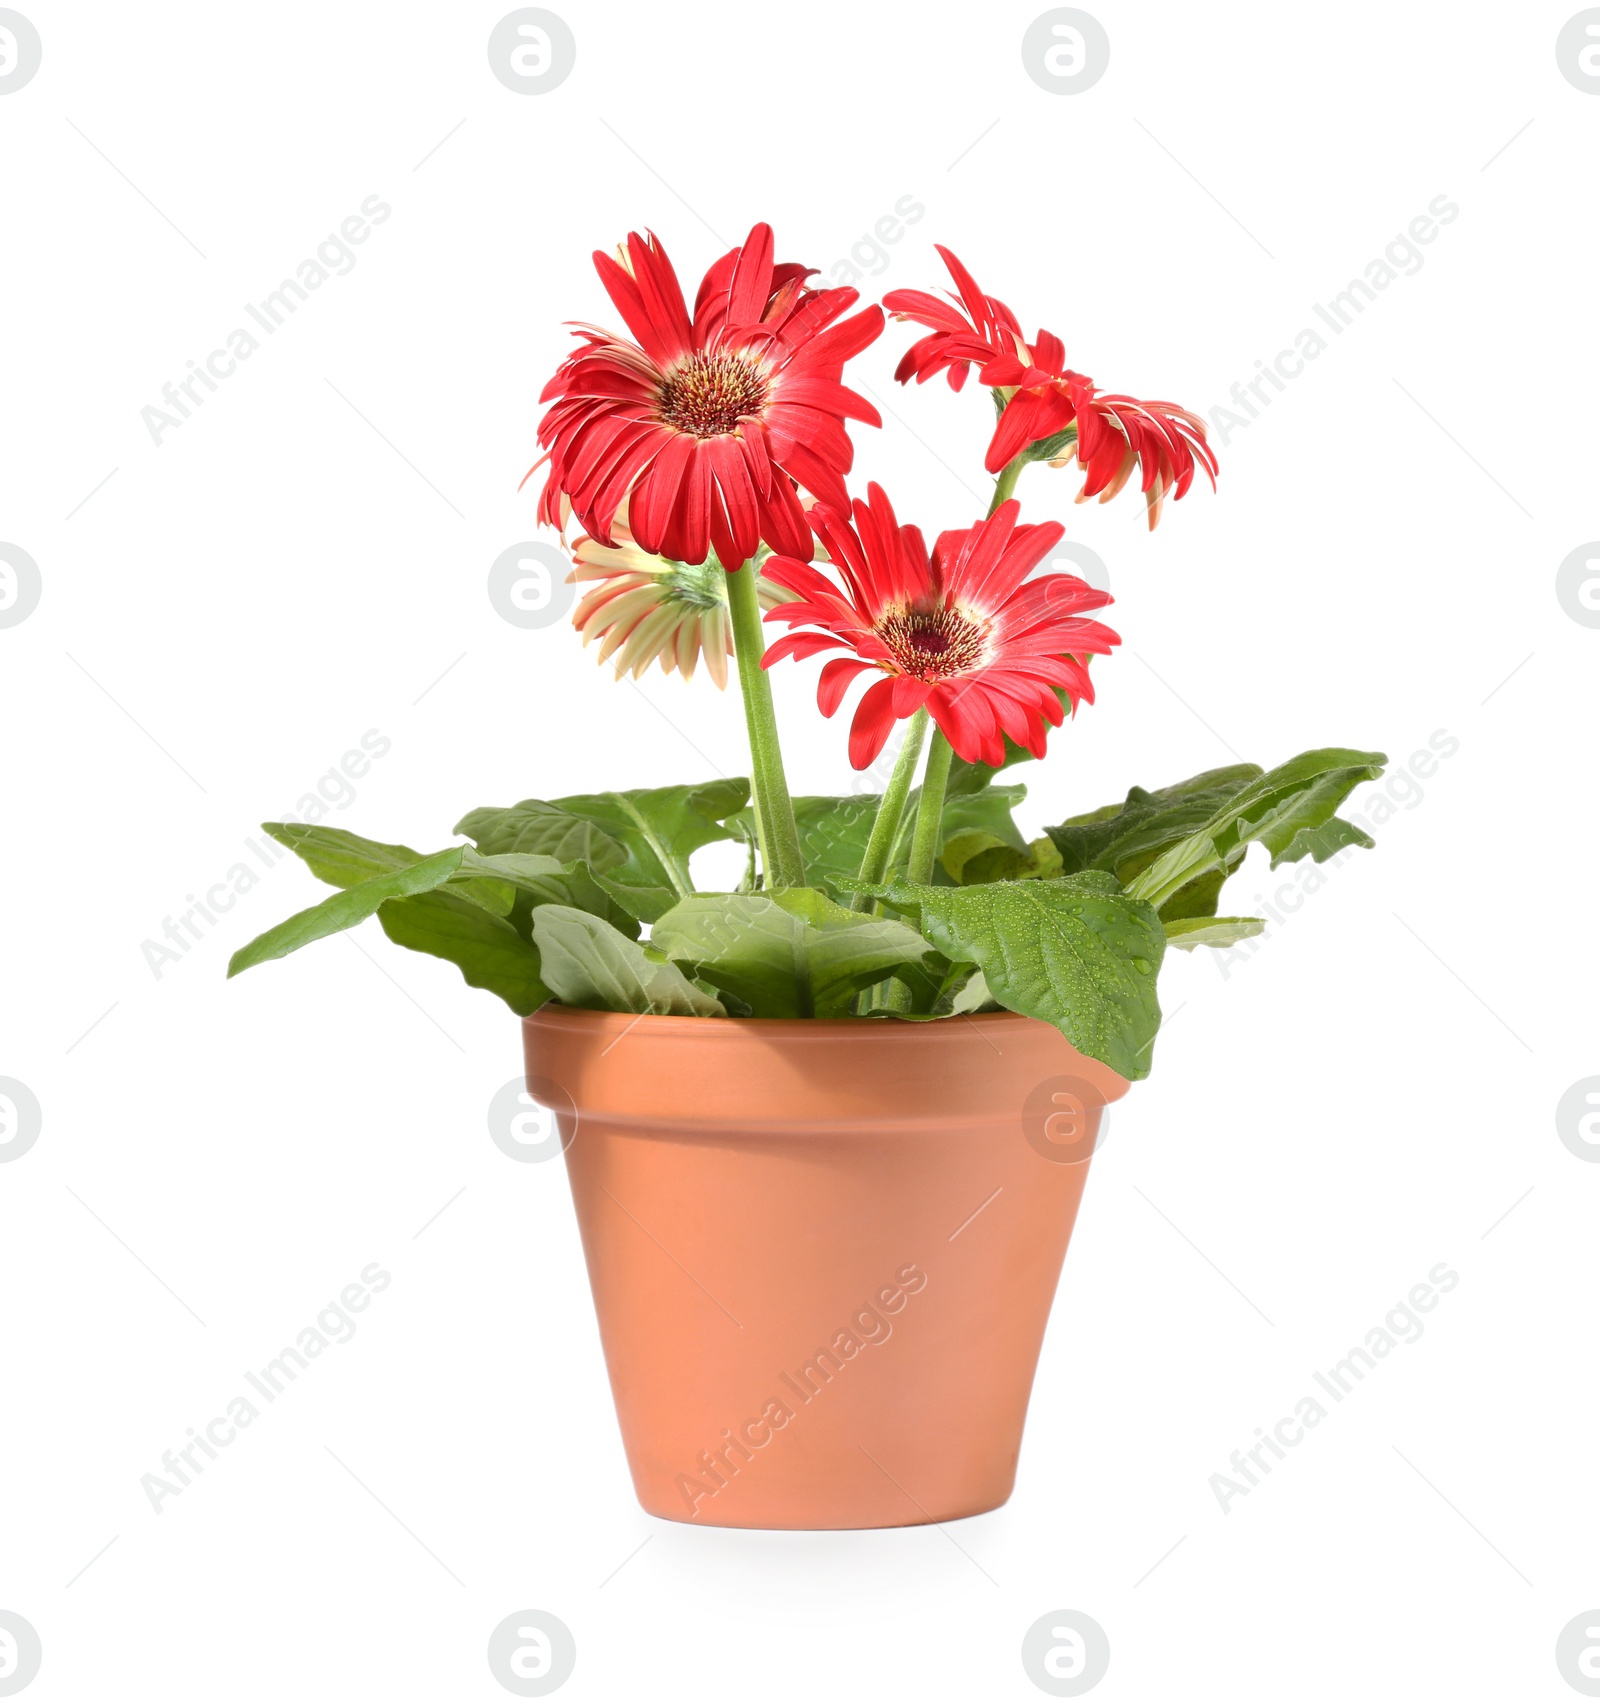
{"points": [[822, 1252]]}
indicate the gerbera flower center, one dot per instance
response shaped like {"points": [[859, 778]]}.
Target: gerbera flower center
{"points": [[706, 395], [933, 643]]}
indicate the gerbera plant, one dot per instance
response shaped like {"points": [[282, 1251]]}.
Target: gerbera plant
{"points": [[705, 454]]}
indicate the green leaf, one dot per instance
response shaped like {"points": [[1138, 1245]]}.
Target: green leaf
{"points": [[642, 902], [590, 964], [637, 842], [834, 828], [1210, 932], [963, 990], [1124, 839], [971, 995], [973, 821], [477, 915], [344, 859], [793, 955], [339, 857], [517, 883], [1280, 810], [541, 827], [1074, 951], [660, 828], [487, 950], [1201, 898], [492, 881], [833, 832], [1323, 842], [974, 857], [346, 908]]}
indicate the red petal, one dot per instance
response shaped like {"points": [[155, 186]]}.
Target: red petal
{"points": [[1015, 430], [660, 293], [910, 695], [835, 347], [834, 682], [783, 522], [752, 278], [873, 720], [738, 495], [826, 395], [660, 343], [653, 498], [689, 537], [977, 305], [798, 645]]}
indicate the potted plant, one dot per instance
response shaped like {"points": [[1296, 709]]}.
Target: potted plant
{"points": [[827, 1134]]}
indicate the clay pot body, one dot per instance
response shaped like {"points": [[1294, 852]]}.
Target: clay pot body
{"points": [[822, 1253]]}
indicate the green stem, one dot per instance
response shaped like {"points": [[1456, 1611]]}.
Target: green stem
{"points": [[781, 864], [1005, 482], [886, 826], [930, 810], [924, 844]]}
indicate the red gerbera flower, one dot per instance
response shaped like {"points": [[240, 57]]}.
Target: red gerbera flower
{"points": [[1113, 433], [964, 633], [705, 425]]}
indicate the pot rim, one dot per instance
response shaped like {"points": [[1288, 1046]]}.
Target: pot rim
{"points": [[604, 1019], [589, 1035]]}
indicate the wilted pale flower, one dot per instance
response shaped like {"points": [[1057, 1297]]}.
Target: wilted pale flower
{"points": [[643, 607]]}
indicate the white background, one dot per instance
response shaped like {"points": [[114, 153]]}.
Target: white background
{"points": [[1364, 1097]]}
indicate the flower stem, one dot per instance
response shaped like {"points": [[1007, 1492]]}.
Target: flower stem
{"points": [[781, 864], [930, 810], [1005, 482], [896, 995], [886, 826]]}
